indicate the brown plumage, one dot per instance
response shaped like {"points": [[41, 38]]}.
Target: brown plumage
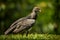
{"points": [[24, 23]]}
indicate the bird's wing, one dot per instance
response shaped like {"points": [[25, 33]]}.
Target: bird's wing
{"points": [[9, 30], [17, 21], [14, 25], [25, 25]]}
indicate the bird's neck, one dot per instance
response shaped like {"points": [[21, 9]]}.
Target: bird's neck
{"points": [[32, 15]]}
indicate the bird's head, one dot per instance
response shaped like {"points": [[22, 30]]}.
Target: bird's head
{"points": [[36, 9]]}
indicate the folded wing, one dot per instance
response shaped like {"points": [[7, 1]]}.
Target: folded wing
{"points": [[26, 24], [14, 25]]}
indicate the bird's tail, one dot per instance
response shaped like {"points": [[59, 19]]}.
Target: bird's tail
{"points": [[9, 30]]}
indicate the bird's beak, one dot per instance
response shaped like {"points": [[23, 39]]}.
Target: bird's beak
{"points": [[39, 10]]}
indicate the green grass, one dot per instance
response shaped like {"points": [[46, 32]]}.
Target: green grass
{"points": [[30, 37]]}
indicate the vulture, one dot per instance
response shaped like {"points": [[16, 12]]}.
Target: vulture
{"points": [[25, 23]]}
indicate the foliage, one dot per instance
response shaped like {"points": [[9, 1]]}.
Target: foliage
{"points": [[30, 37]]}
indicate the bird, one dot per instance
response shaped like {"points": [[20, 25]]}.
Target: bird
{"points": [[24, 23]]}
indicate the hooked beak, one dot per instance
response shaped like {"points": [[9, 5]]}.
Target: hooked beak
{"points": [[40, 10]]}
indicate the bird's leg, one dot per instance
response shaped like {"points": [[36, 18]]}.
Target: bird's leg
{"points": [[28, 31]]}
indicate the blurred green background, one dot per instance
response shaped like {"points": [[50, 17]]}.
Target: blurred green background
{"points": [[48, 21]]}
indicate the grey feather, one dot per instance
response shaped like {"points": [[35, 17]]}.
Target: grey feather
{"points": [[23, 25]]}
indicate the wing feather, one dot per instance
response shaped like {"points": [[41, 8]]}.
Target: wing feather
{"points": [[14, 25], [25, 24], [21, 19]]}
